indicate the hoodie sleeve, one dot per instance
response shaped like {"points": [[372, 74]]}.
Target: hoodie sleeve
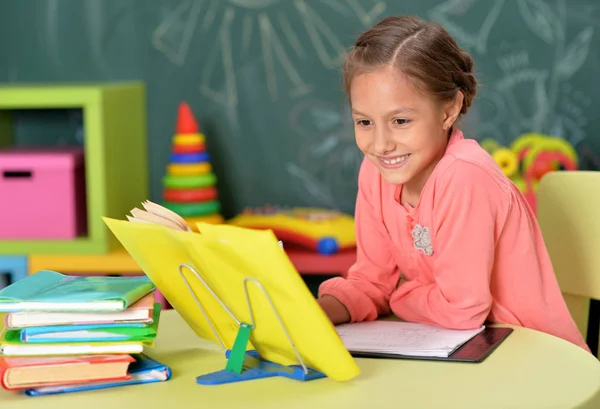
{"points": [[366, 290]]}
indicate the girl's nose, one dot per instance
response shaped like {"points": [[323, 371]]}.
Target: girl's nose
{"points": [[383, 143]]}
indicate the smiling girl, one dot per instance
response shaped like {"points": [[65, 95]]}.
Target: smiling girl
{"points": [[443, 237]]}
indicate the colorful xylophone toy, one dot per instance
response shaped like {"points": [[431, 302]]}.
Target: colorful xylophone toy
{"points": [[322, 230], [530, 157], [190, 184]]}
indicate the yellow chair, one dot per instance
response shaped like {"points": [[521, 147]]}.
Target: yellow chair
{"points": [[567, 210]]}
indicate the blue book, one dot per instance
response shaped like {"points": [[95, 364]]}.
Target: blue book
{"points": [[49, 291], [143, 370], [89, 332]]}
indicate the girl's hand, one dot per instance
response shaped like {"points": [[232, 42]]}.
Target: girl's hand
{"points": [[334, 309]]}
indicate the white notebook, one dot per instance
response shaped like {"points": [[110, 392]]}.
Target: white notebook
{"points": [[403, 338]]}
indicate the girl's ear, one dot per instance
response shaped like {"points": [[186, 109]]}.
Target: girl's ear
{"points": [[452, 110]]}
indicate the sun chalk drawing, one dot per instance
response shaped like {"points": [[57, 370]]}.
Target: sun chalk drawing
{"points": [[524, 94]]}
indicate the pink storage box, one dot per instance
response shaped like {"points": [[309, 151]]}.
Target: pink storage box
{"points": [[42, 193]]}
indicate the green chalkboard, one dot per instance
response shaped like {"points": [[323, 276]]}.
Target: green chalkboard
{"points": [[263, 77]]}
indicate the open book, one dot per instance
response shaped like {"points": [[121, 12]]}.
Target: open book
{"points": [[157, 214], [403, 338]]}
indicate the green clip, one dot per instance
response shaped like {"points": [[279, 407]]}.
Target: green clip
{"points": [[235, 363]]}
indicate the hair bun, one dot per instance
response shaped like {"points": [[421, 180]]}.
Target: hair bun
{"points": [[468, 62], [467, 82], [468, 87]]}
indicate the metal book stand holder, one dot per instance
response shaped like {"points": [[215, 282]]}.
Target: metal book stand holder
{"points": [[242, 364]]}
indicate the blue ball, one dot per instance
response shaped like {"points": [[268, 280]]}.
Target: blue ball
{"points": [[327, 245]]}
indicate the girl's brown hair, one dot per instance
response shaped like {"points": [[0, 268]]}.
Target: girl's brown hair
{"points": [[423, 51]]}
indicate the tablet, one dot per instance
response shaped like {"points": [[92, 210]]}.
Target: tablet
{"points": [[473, 351]]}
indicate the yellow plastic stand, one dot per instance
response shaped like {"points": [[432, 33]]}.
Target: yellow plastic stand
{"points": [[221, 261]]}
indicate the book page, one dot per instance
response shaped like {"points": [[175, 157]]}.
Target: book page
{"points": [[81, 334], [403, 338]]}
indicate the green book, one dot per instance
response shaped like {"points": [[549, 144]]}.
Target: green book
{"points": [[86, 333], [49, 291]]}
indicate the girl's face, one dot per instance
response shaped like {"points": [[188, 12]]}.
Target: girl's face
{"points": [[401, 130]]}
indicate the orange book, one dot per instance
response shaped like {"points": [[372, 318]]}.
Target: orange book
{"points": [[23, 373]]}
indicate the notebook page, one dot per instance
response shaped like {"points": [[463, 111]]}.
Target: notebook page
{"points": [[404, 338]]}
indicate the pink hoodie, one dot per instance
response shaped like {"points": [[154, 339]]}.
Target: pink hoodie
{"points": [[470, 251]]}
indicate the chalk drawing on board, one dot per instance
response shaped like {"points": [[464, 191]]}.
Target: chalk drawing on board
{"points": [[307, 184], [291, 36], [327, 158], [541, 19], [320, 35], [367, 16], [273, 51], [247, 27], [95, 23], [338, 6], [366, 10], [221, 54], [532, 93], [568, 128], [311, 116], [457, 17], [281, 44], [527, 98], [513, 61], [210, 15], [52, 30], [487, 118], [570, 120], [575, 54], [174, 34], [253, 4], [218, 78], [561, 111]]}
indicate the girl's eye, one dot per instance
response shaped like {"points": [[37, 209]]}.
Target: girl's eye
{"points": [[401, 121], [363, 122]]}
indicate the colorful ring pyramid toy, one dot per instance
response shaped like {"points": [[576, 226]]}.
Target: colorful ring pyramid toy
{"points": [[189, 185]]}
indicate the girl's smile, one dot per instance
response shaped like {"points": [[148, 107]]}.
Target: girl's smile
{"points": [[394, 162]]}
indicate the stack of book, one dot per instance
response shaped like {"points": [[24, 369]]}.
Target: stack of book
{"points": [[61, 333]]}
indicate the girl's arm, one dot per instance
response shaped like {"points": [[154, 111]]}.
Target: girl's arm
{"points": [[469, 214], [365, 293]]}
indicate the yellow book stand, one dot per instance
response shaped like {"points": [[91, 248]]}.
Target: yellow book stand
{"points": [[236, 287]]}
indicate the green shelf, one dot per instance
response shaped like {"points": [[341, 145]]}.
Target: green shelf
{"points": [[116, 164]]}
